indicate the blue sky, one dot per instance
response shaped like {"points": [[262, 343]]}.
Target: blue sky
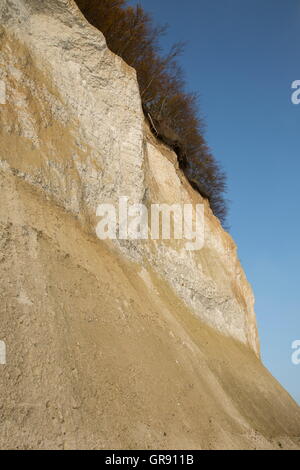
{"points": [[242, 57]]}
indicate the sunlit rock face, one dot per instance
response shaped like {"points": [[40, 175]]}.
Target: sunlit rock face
{"points": [[74, 128], [111, 344]]}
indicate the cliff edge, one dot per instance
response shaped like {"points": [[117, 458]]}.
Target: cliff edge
{"points": [[120, 343]]}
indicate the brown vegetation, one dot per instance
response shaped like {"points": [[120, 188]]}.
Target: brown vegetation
{"points": [[130, 33]]}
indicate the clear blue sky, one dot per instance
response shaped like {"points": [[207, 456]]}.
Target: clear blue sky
{"points": [[242, 56]]}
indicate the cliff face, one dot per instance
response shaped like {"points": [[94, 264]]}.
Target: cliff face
{"points": [[73, 127], [118, 343]]}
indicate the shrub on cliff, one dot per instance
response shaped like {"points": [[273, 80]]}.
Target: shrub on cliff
{"points": [[131, 34]]}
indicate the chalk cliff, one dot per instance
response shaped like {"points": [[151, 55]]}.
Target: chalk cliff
{"points": [[123, 343]]}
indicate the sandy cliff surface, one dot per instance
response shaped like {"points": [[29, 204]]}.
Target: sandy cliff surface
{"points": [[120, 344]]}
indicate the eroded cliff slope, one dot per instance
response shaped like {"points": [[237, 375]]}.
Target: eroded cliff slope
{"points": [[119, 344]]}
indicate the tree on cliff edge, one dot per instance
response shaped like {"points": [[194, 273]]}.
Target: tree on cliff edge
{"points": [[131, 34]]}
